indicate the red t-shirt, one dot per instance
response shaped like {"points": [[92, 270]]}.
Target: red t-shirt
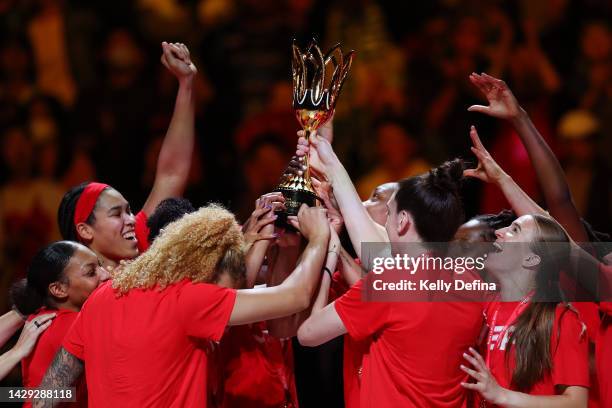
{"points": [[416, 349], [35, 366], [353, 351], [603, 345], [603, 355], [146, 348], [257, 368], [569, 350], [142, 231]]}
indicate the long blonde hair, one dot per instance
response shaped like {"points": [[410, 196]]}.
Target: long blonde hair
{"points": [[198, 246]]}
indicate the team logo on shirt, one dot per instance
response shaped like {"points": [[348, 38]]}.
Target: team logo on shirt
{"points": [[495, 337]]}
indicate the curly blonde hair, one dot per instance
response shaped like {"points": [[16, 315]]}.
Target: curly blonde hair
{"points": [[198, 246]]}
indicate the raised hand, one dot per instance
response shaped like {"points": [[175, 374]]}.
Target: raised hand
{"points": [[177, 60], [321, 158], [487, 170], [311, 222], [485, 384], [502, 103], [325, 193], [260, 224]]}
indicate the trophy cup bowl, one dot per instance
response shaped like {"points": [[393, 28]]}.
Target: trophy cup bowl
{"points": [[317, 81]]}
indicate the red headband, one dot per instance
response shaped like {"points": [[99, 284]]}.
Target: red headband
{"points": [[87, 201]]}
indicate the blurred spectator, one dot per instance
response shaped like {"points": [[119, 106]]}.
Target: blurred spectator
{"points": [[263, 163], [80, 169], [118, 108], [590, 83], [278, 118], [375, 85], [445, 116], [535, 82], [587, 175], [46, 31], [28, 206], [163, 19], [398, 157], [17, 76]]}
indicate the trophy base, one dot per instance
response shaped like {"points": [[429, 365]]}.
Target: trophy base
{"points": [[293, 201]]}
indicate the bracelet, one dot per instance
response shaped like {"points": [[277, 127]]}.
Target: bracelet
{"points": [[334, 252], [326, 269]]}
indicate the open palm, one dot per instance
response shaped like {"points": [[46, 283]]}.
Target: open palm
{"points": [[502, 103], [487, 170]]}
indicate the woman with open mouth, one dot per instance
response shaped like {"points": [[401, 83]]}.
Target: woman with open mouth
{"points": [[98, 216]]}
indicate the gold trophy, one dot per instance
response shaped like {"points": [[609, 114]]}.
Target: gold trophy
{"points": [[317, 81]]}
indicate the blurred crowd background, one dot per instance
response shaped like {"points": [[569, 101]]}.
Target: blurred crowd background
{"points": [[83, 96]]}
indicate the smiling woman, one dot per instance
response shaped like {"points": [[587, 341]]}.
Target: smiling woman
{"points": [[536, 351], [60, 278], [98, 216]]}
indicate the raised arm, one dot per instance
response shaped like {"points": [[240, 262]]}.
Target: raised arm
{"points": [[259, 232], [10, 322], [490, 172], [330, 266], [360, 226], [551, 178], [351, 270], [174, 161], [287, 326], [62, 373], [295, 293]]}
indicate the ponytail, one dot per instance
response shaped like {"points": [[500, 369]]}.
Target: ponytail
{"points": [[25, 299], [47, 266]]}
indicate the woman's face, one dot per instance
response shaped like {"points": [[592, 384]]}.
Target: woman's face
{"points": [[474, 232], [83, 275], [376, 204], [113, 232], [512, 245], [473, 238]]}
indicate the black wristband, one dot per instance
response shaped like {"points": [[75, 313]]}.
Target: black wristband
{"points": [[326, 269]]}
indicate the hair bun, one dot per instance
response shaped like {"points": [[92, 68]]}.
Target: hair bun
{"points": [[447, 176], [24, 298]]}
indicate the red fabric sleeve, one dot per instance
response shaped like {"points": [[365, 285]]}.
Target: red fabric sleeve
{"points": [[142, 231], [606, 307], [74, 341], [571, 353], [338, 286], [205, 309], [361, 319]]}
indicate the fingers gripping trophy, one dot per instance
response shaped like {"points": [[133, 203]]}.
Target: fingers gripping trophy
{"points": [[317, 81]]}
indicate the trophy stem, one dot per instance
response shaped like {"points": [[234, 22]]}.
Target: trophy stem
{"points": [[307, 133], [297, 188]]}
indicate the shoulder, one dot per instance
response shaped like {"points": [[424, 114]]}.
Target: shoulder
{"points": [[100, 294], [568, 322], [199, 289]]}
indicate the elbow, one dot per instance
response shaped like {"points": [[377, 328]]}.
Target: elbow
{"points": [[306, 336], [302, 301]]}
